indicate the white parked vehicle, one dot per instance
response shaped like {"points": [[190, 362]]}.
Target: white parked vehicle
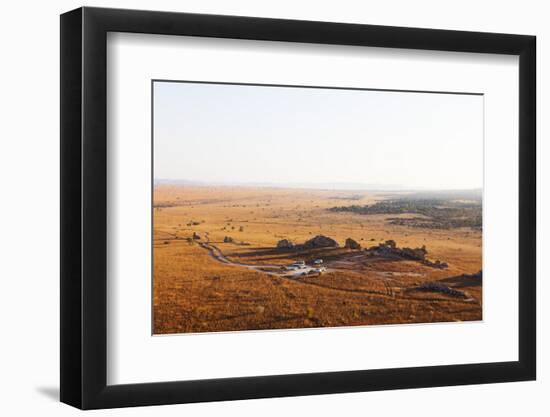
{"points": [[317, 262], [320, 270]]}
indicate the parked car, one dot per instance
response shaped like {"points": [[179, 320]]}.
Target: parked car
{"points": [[317, 262]]}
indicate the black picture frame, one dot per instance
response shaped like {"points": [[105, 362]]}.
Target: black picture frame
{"points": [[84, 207]]}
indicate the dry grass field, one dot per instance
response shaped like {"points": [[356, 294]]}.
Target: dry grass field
{"points": [[217, 266]]}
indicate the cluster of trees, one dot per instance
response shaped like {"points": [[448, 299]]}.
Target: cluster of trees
{"points": [[439, 213]]}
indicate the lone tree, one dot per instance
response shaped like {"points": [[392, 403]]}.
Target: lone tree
{"points": [[391, 243], [352, 244]]}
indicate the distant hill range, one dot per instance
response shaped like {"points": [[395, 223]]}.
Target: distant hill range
{"points": [[475, 194], [342, 186]]}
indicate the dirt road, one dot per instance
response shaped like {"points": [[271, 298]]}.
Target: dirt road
{"points": [[218, 255]]}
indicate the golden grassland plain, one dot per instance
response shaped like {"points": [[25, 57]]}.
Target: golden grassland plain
{"points": [[204, 284]]}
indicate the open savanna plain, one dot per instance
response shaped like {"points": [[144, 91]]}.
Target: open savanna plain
{"points": [[217, 266]]}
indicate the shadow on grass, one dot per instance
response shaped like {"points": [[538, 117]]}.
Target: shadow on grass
{"points": [[266, 254], [462, 281]]}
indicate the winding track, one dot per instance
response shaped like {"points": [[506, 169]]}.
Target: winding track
{"points": [[218, 255]]}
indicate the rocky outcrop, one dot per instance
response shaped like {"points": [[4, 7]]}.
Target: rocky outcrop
{"points": [[417, 254], [320, 241], [390, 249], [352, 244], [437, 264], [285, 244]]}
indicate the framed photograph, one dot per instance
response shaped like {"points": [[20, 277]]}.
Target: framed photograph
{"points": [[258, 208]]}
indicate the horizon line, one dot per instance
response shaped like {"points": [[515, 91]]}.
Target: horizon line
{"points": [[338, 186]]}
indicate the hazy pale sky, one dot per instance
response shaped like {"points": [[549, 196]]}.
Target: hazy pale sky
{"points": [[280, 135]]}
